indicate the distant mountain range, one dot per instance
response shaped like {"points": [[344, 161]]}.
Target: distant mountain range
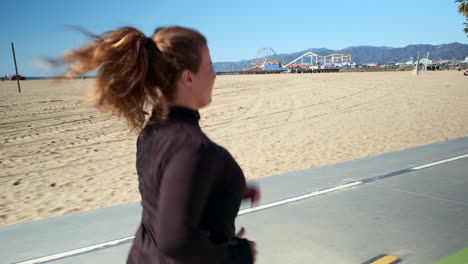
{"points": [[369, 54]]}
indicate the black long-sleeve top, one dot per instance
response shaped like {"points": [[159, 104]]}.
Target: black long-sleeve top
{"points": [[191, 191]]}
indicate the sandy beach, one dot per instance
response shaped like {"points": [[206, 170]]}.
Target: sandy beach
{"points": [[60, 155]]}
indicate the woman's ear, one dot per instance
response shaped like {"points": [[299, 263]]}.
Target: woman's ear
{"points": [[186, 78]]}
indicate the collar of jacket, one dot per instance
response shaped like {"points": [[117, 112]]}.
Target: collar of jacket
{"points": [[180, 113]]}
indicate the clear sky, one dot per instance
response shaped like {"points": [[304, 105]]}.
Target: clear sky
{"points": [[235, 29]]}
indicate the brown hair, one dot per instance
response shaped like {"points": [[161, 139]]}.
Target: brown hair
{"points": [[136, 72]]}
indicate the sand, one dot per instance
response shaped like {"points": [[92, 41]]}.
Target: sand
{"points": [[60, 155]]}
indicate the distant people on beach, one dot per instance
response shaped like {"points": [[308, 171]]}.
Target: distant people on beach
{"points": [[191, 188], [432, 67]]}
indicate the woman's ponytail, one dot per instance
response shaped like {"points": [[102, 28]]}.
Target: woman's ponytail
{"points": [[121, 57], [135, 72]]}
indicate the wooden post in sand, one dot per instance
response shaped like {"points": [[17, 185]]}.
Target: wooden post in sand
{"points": [[16, 67], [417, 65]]}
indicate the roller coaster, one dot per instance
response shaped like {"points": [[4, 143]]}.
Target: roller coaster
{"points": [[267, 60], [328, 60]]}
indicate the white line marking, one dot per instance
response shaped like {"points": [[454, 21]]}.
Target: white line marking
{"points": [[305, 196], [439, 162], [75, 251], [114, 242]]}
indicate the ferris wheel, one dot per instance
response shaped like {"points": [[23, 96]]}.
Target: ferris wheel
{"points": [[265, 55]]}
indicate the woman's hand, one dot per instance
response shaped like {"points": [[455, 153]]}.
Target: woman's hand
{"points": [[253, 246], [252, 192]]}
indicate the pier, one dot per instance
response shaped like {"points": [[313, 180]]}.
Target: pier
{"points": [[331, 70]]}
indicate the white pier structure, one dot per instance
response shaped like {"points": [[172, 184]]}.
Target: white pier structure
{"points": [[315, 58]]}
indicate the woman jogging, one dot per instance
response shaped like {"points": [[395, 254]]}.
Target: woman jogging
{"points": [[191, 188]]}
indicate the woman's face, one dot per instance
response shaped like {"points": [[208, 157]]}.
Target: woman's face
{"points": [[203, 80]]}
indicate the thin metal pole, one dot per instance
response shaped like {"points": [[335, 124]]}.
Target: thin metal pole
{"points": [[16, 67]]}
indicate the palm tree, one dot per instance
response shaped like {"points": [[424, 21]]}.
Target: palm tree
{"points": [[462, 7]]}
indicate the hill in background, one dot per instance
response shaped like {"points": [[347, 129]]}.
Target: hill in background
{"points": [[369, 54]]}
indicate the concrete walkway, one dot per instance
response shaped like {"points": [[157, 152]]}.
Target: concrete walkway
{"points": [[410, 204]]}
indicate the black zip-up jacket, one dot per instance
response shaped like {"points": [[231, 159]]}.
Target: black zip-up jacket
{"points": [[191, 191]]}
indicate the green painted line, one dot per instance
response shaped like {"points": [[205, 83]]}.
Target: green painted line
{"points": [[461, 257]]}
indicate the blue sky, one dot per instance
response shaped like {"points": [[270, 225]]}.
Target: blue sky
{"points": [[235, 29]]}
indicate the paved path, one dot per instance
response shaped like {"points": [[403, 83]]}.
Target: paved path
{"points": [[410, 204]]}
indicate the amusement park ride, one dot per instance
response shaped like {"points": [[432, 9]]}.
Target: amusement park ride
{"points": [[267, 60], [328, 60]]}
